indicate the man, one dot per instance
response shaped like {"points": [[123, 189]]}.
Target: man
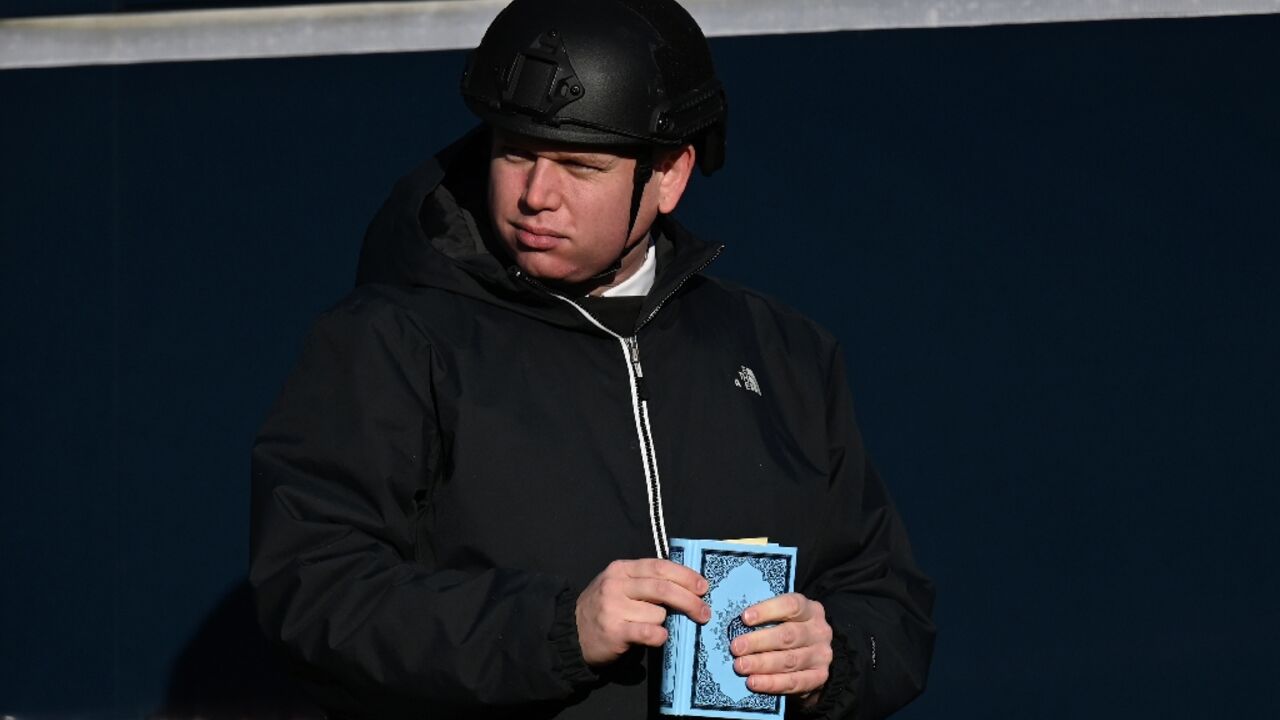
{"points": [[463, 498]]}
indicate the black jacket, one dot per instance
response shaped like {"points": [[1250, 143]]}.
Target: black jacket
{"points": [[458, 452]]}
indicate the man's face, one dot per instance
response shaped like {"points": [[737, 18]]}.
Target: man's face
{"points": [[563, 211]]}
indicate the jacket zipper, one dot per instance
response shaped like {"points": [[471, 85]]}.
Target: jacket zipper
{"points": [[639, 401], [640, 407], [640, 411]]}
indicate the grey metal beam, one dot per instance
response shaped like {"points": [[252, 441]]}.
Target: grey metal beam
{"points": [[379, 27]]}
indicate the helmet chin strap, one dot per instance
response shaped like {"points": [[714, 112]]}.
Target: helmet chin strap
{"points": [[640, 178]]}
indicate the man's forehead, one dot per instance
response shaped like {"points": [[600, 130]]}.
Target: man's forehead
{"points": [[542, 145]]}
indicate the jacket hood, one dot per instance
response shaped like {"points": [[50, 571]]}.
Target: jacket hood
{"points": [[433, 231]]}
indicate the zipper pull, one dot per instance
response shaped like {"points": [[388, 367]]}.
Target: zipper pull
{"points": [[633, 349]]}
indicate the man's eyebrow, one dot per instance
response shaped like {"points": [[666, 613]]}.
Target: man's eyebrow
{"points": [[555, 152], [582, 157]]}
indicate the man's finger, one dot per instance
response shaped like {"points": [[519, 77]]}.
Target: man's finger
{"points": [[791, 606], [669, 571], [787, 636], [638, 611], [671, 595], [784, 661], [647, 634], [795, 683]]}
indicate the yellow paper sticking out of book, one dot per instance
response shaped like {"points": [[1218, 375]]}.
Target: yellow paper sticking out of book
{"points": [[750, 541]]}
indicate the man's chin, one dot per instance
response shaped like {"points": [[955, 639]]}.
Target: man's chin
{"points": [[547, 269]]}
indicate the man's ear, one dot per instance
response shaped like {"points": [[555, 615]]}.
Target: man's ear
{"points": [[672, 172]]}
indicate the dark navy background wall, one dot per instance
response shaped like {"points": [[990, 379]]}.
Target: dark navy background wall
{"points": [[1051, 254], [33, 8]]}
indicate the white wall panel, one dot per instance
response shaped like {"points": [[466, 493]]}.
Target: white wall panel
{"points": [[356, 28]]}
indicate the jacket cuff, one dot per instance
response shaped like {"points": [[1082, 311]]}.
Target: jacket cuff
{"points": [[839, 694], [567, 648]]}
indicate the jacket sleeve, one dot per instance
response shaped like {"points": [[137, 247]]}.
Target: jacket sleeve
{"points": [[877, 601], [341, 470]]}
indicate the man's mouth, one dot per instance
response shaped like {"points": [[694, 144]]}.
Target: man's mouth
{"points": [[536, 238]]}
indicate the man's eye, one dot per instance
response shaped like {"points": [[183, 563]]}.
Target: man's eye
{"points": [[584, 167]]}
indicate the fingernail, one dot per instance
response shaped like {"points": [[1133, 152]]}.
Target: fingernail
{"points": [[749, 617], [706, 613], [703, 586], [744, 665], [737, 646]]}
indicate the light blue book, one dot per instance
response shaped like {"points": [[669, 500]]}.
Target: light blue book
{"points": [[698, 679]]}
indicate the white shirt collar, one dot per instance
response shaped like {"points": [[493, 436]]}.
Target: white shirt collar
{"points": [[642, 281]]}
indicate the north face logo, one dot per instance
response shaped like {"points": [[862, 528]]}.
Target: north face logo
{"points": [[747, 380]]}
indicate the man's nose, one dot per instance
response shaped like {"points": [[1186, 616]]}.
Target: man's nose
{"points": [[542, 186]]}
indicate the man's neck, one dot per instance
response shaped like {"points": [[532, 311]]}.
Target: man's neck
{"points": [[635, 276]]}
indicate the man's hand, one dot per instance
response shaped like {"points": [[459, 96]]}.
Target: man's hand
{"points": [[627, 603], [790, 658]]}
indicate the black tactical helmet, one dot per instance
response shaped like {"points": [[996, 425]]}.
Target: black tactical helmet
{"points": [[600, 72]]}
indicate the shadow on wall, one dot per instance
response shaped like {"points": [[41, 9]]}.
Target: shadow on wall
{"points": [[228, 670]]}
